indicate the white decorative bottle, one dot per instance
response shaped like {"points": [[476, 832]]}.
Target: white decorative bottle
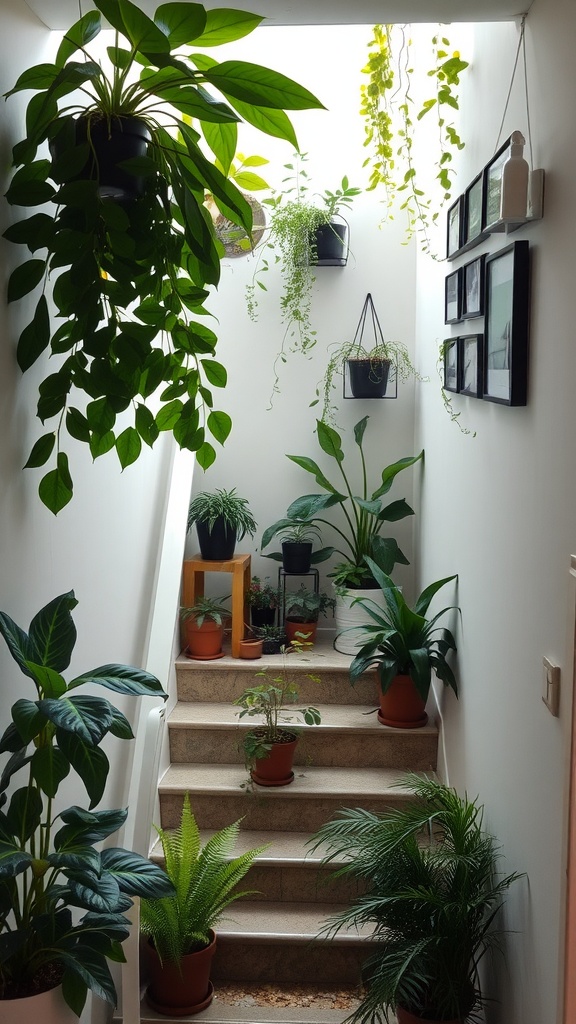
{"points": [[515, 174]]}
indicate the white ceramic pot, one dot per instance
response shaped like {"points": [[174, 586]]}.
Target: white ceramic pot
{"points": [[350, 619], [45, 1008]]}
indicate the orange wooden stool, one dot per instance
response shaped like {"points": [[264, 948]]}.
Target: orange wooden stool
{"points": [[193, 588]]}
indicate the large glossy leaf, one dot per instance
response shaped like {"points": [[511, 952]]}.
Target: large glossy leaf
{"points": [[14, 764], [49, 768], [309, 506], [391, 472], [224, 26], [182, 23], [329, 441], [223, 140], [24, 812], [386, 553], [13, 860], [359, 430], [122, 679], [89, 965], [19, 644], [88, 761], [395, 511], [11, 742], [144, 35], [272, 122], [426, 596], [28, 719], [128, 446], [35, 231], [55, 488], [89, 718], [220, 186], [41, 451], [51, 683], [136, 875], [93, 891], [25, 278], [40, 76], [311, 467], [219, 424], [321, 555], [111, 11], [79, 35], [87, 826], [260, 86], [53, 633]]}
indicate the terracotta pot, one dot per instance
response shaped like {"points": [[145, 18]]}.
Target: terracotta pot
{"points": [[405, 1017], [402, 706], [308, 629], [178, 990], [250, 648], [203, 642], [47, 1007], [276, 768]]}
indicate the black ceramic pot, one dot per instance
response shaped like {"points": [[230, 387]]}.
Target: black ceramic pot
{"points": [[124, 138], [296, 557], [263, 616], [368, 377], [217, 543], [331, 245]]}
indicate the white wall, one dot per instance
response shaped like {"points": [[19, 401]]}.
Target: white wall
{"points": [[327, 61], [499, 510]]}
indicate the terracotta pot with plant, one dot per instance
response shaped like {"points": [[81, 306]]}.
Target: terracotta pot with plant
{"points": [[269, 748], [430, 892], [204, 629], [303, 609], [180, 928], [405, 647]]}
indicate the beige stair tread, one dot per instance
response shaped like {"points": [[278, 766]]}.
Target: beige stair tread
{"points": [[283, 922], [335, 718], [227, 779], [285, 848], [320, 658], [221, 1013]]}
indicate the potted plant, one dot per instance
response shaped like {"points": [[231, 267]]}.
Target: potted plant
{"points": [[364, 517], [204, 628], [51, 865], [273, 638], [133, 275], [303, 609], [221, 519], [431, 890], [269, 748], [405, 647], [298, 532], [180, 928], [262, 598]]}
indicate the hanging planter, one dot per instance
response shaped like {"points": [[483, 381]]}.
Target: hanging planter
{"points": [[368, 377], [329, 246], [111, 141], [369, 370]]}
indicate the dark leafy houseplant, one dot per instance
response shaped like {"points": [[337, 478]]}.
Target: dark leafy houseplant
{"points": [[297, 527], [306, 605], [402, 641], [261, 594], [226, 505], [49, 867], [364, 514], [129, 279], [432, 893]]}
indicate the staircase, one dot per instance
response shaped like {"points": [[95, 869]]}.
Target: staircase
{"points": [[350, 760]]}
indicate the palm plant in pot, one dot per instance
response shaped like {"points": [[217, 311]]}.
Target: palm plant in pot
{"points": [[204, 628], [303, 609], [180, 928], [221, 519], [133, 273], [50, 867], [431, 891], [269, 748], [405, 647]]}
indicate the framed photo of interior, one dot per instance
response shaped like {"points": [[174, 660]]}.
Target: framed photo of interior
{"points": [[454, 221], [470, 365], [506, 325], [493, 188], [451, 376], [472, 232], [453, 297], [472, 289]]}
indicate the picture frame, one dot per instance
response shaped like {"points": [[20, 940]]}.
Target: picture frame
{"points": [[474, 212], [470, 363], [472, 288], [506, 323], [453, 297], [454, 221], [450, 358], [493, 172]]}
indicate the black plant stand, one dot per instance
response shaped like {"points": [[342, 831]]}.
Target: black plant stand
{"points": [[282, 574]]}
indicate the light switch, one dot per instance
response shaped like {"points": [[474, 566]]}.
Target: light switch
{"points": [[551, 686]]}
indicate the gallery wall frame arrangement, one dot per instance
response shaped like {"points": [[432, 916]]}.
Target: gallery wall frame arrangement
{"points": [[472, 304], [453, 297]]}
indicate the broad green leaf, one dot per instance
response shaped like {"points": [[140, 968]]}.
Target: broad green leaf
{"points": [[219, 424], [49, 768], [76, 859], [53, 633], [101, 417], [24, 813], [182, 23], [28, 719], [81, 33], [395, 511], [260, 86], [321, 555], [144, 35], [205, 456], [222, 139], [311, 467], [13, 860], [250, 182], [51, 683], [87, 826], [101, 444], [93, 891], [25, 278], [35, 231], [169, 415], [391, 472], [193, 103], [10, 742], [225, 26], [215, 373], [40, 76], [128, 446], [136, 875], [329, 441], [359, 429], [18, 642], [146, 424], [310, 505], [272, 122], [88, 965], [77, 425], [423, 602], [89, 718], [121, 727], [41, 451], [89, 762], [53, 391], [29, 191], [75, 991], [122, 679]]}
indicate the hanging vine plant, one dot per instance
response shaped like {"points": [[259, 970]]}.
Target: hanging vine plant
{"points": [[390, 117], [127, 267]]}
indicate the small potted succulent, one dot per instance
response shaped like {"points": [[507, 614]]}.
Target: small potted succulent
{"points": [[204, 628], [221, 519], [273, 638], [303, 609], [262, 598], [269, 748]]}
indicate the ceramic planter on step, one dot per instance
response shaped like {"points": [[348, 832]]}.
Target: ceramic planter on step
{"points": [[307, 629], [402, 706], [350, 618], [250, 648], [203, 643], [179, 990], [44, 1008], [405, 1017], [276, 768]]}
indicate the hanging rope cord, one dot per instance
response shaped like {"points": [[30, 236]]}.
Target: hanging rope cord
{"points": [[521, 46]]}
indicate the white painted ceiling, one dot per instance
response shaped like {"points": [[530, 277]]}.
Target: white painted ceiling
{"points": [[60, 14]]}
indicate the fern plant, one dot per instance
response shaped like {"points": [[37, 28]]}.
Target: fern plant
{"points": [[204, 879]]}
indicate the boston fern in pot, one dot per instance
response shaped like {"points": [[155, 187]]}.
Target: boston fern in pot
{"points": [[62, 902], [128, 277]]}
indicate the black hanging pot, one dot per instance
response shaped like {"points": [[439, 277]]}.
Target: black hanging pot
{"points": [[368, 377], [110, 144], [296, 556], [217, 542], [330, 244]]}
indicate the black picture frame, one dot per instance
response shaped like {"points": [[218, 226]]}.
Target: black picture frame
{"points": [[474, 212], [454, 222], [453, 297], [506, 324], [470, 364], [493, 172], [472, 287], [451, 370]]}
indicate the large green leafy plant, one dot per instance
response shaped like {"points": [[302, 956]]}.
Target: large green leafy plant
{"points": [[49, 866], [431, 892], [128, 279]]}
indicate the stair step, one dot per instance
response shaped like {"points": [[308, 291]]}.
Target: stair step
{"points": [[219, 795], [221, 1012], [222, 681], [347, 735]]}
